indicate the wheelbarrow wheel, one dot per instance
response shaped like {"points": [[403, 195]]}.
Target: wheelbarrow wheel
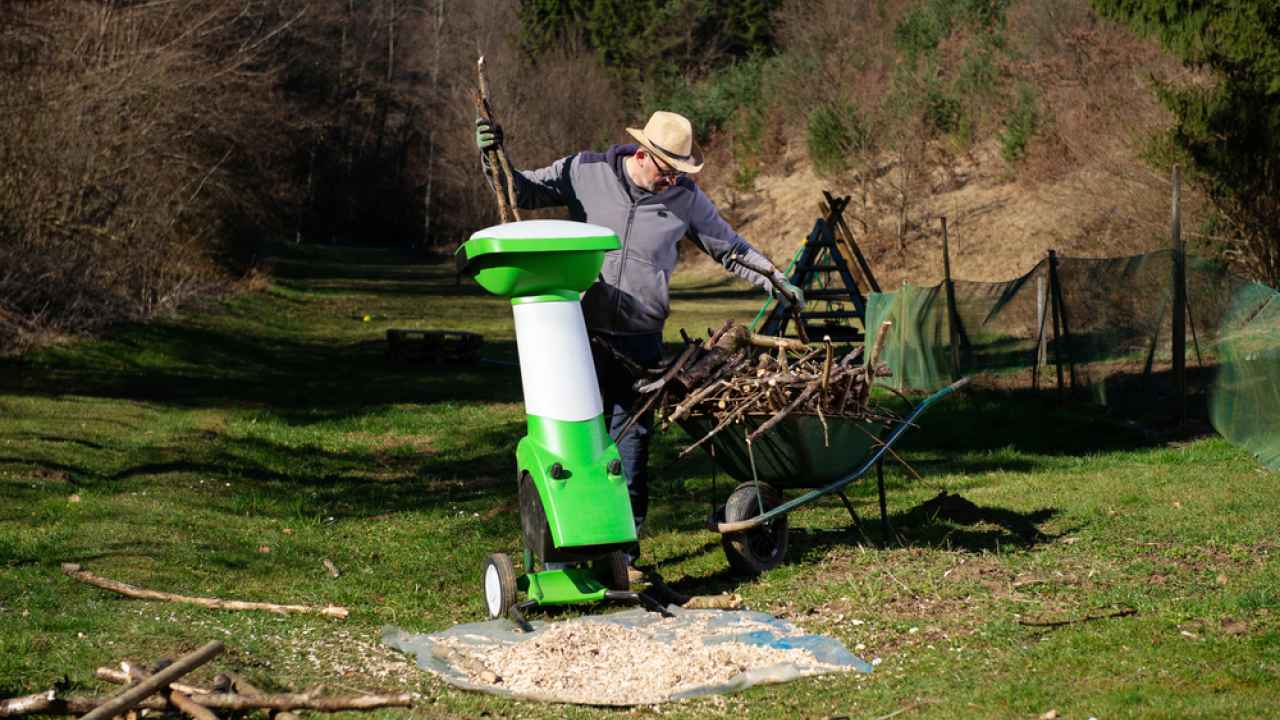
{"points": [[754, 551], [612, 571], [499, 584]]}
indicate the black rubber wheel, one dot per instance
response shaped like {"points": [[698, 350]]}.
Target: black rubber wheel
{"points": [[612, 571], [759, 549], [499, 584]]}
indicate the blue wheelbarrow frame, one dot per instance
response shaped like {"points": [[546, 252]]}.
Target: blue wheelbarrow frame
{"points": [[799, 452]]}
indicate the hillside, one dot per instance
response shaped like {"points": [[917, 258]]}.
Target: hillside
{"points": [[998, 227], [1083, 187]]}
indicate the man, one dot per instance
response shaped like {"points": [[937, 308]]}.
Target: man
{"points": [[644, 193]]}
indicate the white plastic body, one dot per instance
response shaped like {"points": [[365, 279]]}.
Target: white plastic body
{"points": [[556, 369]]}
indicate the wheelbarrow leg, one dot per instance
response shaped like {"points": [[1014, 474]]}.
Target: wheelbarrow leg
{"points": [[857, 523], [885, 528]]}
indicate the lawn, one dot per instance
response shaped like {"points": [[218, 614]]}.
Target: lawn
{"points": [[230, 451]]}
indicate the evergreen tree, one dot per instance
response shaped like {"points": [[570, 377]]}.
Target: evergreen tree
{"points": [[1229, 132]]}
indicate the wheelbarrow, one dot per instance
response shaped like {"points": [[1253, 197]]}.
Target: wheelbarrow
{"points": [[797, 453]]}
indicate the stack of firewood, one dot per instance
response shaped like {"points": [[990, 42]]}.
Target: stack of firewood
{"points": [[735, 375], [158, 690]]}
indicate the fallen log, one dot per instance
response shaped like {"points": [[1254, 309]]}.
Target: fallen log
{"points": [[74, 571]]}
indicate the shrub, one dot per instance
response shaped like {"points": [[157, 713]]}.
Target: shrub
{"points": [[712, 103], [834, 130], [942, 113], [1020, 125], [748, 148]]}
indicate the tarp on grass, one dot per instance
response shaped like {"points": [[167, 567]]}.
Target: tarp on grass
{"points": [[751, 648]]}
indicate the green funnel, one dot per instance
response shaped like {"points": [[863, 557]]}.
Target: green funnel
{"points": [[536, 257]]}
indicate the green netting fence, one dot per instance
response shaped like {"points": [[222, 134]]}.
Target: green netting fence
{"points": [[1244, 402], [1102, 328]]}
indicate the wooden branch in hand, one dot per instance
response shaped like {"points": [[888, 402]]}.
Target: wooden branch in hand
{"points": [[155, 682], [74, 571], [506, 196]]}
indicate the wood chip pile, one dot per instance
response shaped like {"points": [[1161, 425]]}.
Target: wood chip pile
{"points": [[597, 663], [735, 374]]}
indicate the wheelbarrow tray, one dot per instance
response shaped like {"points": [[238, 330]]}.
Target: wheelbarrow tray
{"points": [[798, 452], [834, 465]]}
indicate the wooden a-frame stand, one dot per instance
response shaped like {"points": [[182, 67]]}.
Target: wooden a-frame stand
{"points": [[824, 273]]}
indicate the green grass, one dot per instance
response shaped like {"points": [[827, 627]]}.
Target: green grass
{"points": [[272, 421]]}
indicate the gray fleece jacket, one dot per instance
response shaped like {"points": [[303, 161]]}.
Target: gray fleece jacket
{"points": [[631, 295]]}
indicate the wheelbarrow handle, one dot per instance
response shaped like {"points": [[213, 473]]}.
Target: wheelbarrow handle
{"points": [[901, 427]]}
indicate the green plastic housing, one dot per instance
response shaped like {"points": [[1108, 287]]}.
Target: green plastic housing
{"points": [[589, 506], [536, 257]]}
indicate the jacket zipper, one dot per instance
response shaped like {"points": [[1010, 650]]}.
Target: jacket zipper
{"points": [[622, 265]]}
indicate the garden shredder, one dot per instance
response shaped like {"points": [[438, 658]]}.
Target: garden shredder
{"points": [[575, 512]]}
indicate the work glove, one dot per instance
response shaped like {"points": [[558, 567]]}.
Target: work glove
{"points": [[792, 296], [488, 135]]}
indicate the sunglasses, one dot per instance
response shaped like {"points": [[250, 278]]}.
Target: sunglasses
{"points": [[664, 170]]}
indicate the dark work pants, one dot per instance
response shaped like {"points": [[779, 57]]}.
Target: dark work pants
{"points": [[620, 399]]}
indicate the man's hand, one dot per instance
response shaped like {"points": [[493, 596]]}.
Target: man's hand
{"points": [[488, 135], [792, 296]]}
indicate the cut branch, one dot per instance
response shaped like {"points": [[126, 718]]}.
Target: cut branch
{"points": [[73, 570], [154, 683], [301, 701], [120, 677], [28, 704], [48, 703]]}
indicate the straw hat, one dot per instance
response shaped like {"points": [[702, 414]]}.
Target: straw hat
{"points": [[670, 137]]}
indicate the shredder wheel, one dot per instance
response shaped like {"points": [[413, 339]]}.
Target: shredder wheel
{"points": [[612, 571], [499, 584]]}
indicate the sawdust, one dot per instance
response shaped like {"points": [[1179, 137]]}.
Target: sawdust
{"points": [[607, 664]]}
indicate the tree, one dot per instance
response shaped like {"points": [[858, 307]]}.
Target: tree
{"points": [[1228, 131], [650, 38]]}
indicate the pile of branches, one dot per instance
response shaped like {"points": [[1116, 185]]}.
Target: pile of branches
{"points": [[158, 690], [736, 375]]}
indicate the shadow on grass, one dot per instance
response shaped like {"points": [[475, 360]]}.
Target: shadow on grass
{"points": [[946, 520], [186, 366]]}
